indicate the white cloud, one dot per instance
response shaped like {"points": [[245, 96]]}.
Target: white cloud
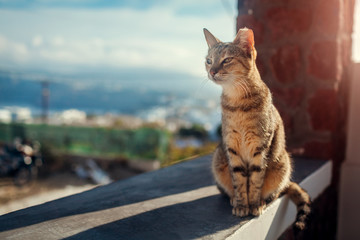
{"points": [[20, 52], [15, 52], [3, 44], [155, 38], [37, 41], [57, 41]]}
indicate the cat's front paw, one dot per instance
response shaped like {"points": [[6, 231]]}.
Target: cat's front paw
{"points": [[233, 202], [256, 210], [240, 211]]}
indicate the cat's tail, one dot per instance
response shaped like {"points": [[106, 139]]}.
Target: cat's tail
{"points": [[303, 204]]}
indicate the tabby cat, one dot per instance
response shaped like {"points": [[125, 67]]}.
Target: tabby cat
{"points": [[251, 165]]}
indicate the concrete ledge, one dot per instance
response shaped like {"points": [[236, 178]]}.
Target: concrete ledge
{"points": [[178, 202], [281, 213]]}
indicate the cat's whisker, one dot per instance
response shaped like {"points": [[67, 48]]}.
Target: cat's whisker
{"points": [[243, 87], [201, 86], [204, 82], [239, 85], [248, 88]]}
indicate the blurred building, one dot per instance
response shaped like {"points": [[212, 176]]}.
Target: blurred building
{"points": [[69, 117], [16, 114], [5, 116]]}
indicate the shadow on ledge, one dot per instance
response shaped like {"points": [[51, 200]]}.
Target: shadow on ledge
{"points": [[178, 202], [180, 221], [168, 181]]}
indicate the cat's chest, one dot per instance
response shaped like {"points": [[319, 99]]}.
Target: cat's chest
{"points": [[240, 123], [241, 131]]}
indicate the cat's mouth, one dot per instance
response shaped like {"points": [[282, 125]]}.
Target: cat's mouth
{"points": [[216, 79]]}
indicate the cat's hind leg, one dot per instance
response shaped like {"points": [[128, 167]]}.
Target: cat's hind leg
{"points": [[221, 172], [277, 178]]}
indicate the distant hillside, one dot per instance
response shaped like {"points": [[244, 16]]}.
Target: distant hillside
{"points": [[65, 96]]}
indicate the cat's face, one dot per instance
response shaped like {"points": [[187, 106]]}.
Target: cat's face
{"points": [[228, 62]]}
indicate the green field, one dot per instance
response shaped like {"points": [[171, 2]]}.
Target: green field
{"points": [[142, 143]]}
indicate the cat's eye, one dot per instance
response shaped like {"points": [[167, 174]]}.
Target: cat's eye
{"points": [[227, 60], [208, 61]]}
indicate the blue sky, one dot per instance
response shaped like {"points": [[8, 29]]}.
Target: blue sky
{"points": [[183, 7], [77, 3], [63, 36]]}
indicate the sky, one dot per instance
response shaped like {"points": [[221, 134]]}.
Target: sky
{"points": [[63, 36], [128, 37]]}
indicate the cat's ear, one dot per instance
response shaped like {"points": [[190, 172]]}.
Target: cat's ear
{"points": [[210, 39], [245, 38]]}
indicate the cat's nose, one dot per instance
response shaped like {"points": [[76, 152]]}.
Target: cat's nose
{"points": [[212, 72]]}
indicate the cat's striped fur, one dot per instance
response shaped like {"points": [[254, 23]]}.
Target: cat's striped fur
{"points": [[251, 165]]}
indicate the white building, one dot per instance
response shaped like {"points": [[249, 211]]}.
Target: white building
{"points": [[71, 116], [5, 116], [16, 114]]}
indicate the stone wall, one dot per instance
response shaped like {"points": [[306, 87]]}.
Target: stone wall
{"points": [[304, 55]]}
